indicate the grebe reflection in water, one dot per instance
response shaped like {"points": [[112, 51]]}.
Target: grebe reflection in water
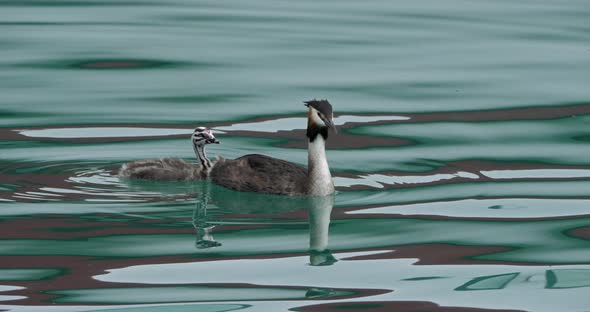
{"points": [[319, 212]]}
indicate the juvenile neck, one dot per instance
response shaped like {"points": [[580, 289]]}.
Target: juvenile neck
{"points": [[202, 156], [318, 173]]}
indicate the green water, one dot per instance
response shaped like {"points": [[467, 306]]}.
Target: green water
{"points": [[461, 162]]}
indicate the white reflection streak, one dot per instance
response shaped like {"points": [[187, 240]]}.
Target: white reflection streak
{"points": [[378, 180], [523, 293], [4, 288], [537, 174], [488, 208], [101, 132], [99, 192], [288, 124], [96, 180]]}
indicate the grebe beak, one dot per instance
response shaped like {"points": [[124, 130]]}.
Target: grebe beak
{"points": [[330, 123]]}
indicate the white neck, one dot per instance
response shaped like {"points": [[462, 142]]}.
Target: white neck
{"points": [[319, 177]]}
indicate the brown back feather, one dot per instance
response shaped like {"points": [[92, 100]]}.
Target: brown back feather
{"points": [[261, 174]]}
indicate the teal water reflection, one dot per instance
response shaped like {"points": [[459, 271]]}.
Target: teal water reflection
{"points": [[460, 165]]}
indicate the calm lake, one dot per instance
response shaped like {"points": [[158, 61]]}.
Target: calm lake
{"points": [[461, 162]]}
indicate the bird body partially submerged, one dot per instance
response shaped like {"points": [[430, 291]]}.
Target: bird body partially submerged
{"points": [[261, 174], [164, 169]]}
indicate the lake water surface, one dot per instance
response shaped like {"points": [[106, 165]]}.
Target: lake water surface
{"points": [[461, 163]]}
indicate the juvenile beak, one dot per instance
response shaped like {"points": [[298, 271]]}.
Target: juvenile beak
{"points": [[211, 139]]}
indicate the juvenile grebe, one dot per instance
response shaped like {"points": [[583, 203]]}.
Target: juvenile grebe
{"points": [[174, 169], [264, 174]]}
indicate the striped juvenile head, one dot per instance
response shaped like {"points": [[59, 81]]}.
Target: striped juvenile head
{"points": [[202, 136]]}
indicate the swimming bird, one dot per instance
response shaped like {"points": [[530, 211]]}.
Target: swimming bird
{"points": [[265, 174], [174, 169]]}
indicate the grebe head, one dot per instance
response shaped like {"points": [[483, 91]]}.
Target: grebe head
{"points": [[320, 114], [202, 136], [319, 119]]}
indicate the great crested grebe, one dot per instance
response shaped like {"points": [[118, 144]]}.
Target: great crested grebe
{"points": [[174, 169], [264, 174]]}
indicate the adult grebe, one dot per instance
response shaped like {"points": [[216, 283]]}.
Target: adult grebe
{"points": [[264, 174], [174, 169]]}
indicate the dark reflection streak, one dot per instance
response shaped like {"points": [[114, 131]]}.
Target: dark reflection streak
{"points": [[388, 306], [129, 63], [581, 138], [100, 64], [30, 23], [582, 233], [483, 282], [62, 3], [228, 18], [201, 98], [555, 111]]}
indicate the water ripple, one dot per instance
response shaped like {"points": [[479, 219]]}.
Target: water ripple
{"points": [[111, 64], [66, 182]]}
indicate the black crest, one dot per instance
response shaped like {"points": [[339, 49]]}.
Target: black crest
{"points": [[323, 106]]}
